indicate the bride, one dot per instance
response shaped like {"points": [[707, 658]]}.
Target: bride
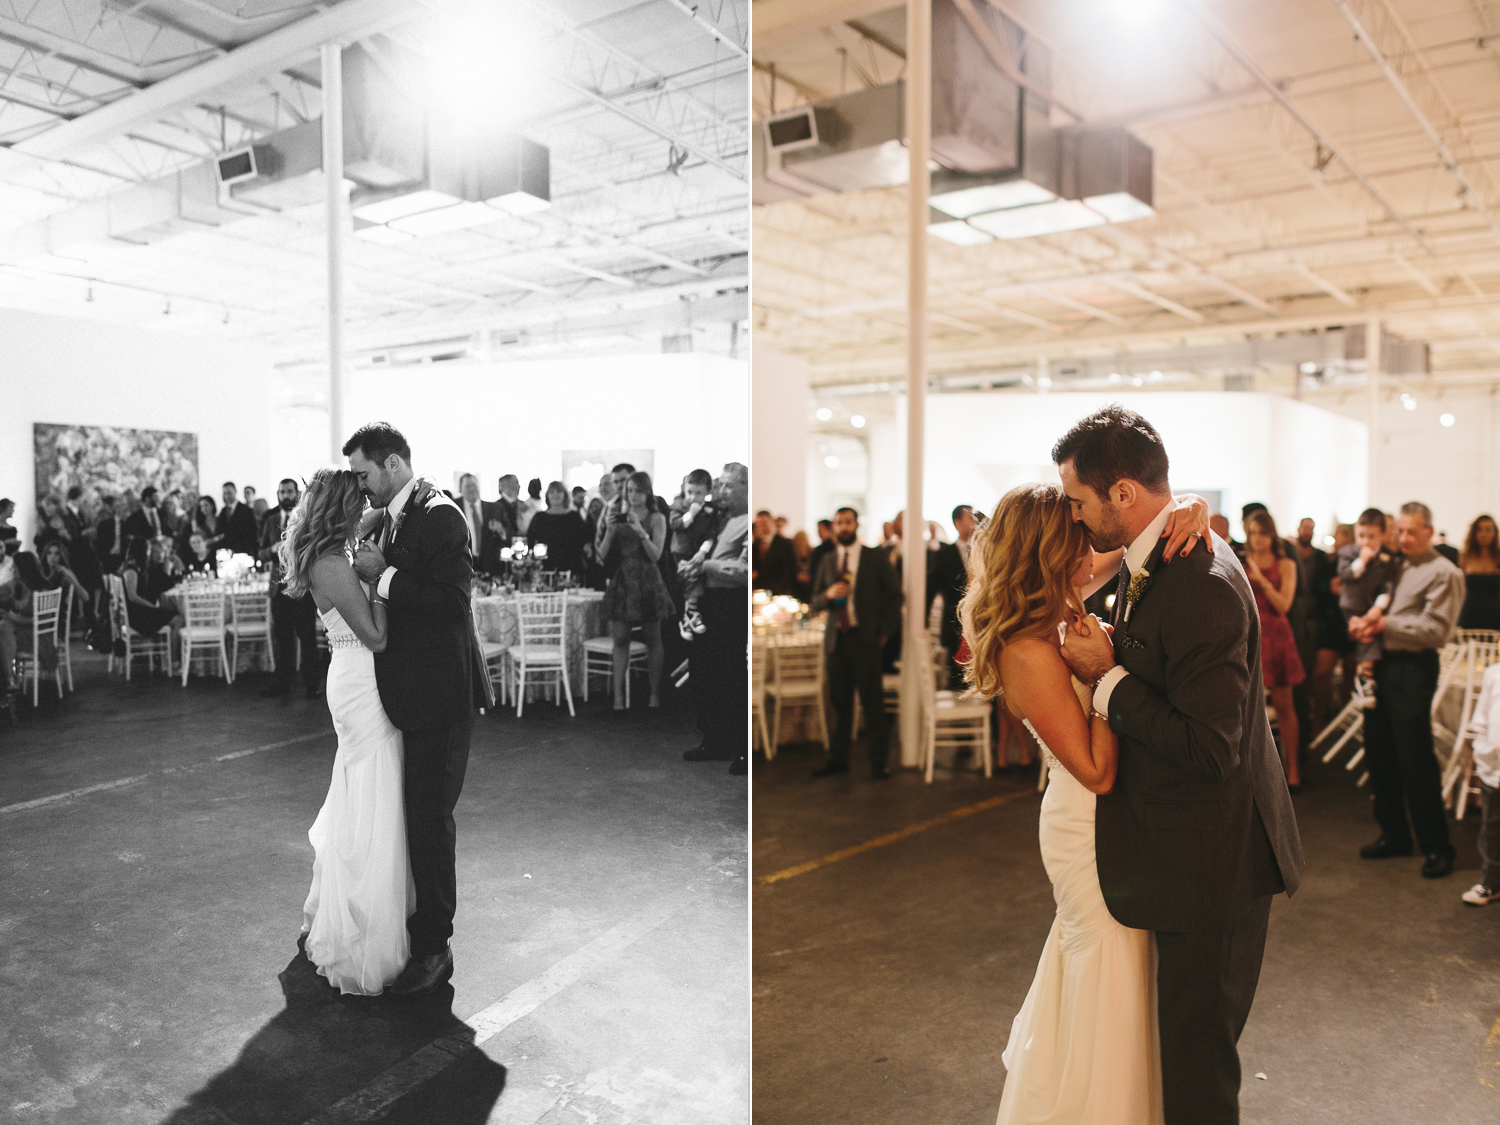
{"points": [[354, 920], [1083, 1049]]}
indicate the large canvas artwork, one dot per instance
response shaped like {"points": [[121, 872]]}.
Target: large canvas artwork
{"points": [[112, 461]]}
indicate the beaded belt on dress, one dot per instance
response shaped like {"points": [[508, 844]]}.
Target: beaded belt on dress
{"points": [[344, 640]]}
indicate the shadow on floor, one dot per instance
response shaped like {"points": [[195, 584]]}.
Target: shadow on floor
{"points": [[325, 1047]]}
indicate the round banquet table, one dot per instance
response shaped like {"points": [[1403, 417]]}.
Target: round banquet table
{"points": [[495, 615], [255, 655]]}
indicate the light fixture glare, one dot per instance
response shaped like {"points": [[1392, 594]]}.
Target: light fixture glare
{"points": [[1041, 218]]}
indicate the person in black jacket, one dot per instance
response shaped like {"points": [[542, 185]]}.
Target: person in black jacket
{"points": [[293, 620], [948, 574], [773, 560], [857, 587], [236, 530], [431, 675]]}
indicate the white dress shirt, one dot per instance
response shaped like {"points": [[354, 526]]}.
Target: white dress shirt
{"points": [[847, 560], [474, 517], [392, 510], [1135, 557]]}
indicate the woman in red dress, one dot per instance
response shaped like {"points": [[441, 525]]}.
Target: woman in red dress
{"points": [[1273, 577]]}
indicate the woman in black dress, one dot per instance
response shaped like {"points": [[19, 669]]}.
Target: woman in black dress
{"points": [[147, 577], [1480, 562], [562, 530], [635, 537], [198, 559]]}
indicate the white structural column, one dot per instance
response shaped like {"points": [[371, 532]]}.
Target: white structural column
{"points": [[1372, 403], [913, 541], [337, 220]]}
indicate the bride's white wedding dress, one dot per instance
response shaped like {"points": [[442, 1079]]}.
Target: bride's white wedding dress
{"points": [[1084, 1048], [362, 890]]}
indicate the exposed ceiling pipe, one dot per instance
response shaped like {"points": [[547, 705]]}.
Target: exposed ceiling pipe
{"points": [[692, 12], [1450, 162], [1234, 50]]}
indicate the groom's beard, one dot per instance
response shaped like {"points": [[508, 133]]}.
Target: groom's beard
{"points": [[1110, 534]]}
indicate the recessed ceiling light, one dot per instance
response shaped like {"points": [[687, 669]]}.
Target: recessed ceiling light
{"points": [[857, 421], [1447, 419], [831, 461], [1157, 376], [990, 197], [1042, 218], [1137, 381], [1115, 377], [1409, 402], [824, 414], [1044, 381]]}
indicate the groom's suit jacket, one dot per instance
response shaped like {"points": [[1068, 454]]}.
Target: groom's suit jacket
{"points": [[432, 671], [1199, 823]]}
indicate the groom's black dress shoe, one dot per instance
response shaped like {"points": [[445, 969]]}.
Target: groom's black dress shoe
{"points": [[1437, 865], [1383, 849], [422, 975]]}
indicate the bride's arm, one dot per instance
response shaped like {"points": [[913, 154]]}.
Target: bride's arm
{"points": [[335, 580], [1039, 686]]}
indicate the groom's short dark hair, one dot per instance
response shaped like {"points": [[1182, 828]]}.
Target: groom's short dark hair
{"points": [[1111, 445], [377, 441]]}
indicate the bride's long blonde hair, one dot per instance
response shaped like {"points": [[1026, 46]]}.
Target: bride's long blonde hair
{"points": [[326, 518], [1021, 564]]}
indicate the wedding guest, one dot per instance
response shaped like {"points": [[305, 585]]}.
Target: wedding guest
{"points": [[563, 531], [531, 506], [694, 521], [109, 535], [81, 550], [57, 574], [948, 574], [293, 620], [8, 534], [773, 566], [145, 522], [1441, 545], [236, 528], [720, 677], [781, 526], [1367, 575], [50, 523], [13, 596], [204, 521], [1299, 617], [481, 539], [634, 537], [1273, 578], [1398, 732], [1331, 634], [505, 513], [198, 559], [1480, 562], [1485, 729], [146, 578], [597, 578], [248, 496], [618, 476], [580, 499], [260, 508], [859, 591], [821, 551], [802, 552]]}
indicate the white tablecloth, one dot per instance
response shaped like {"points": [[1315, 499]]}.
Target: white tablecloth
{"points": [[495, 615]]}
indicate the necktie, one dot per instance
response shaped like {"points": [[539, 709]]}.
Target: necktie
{"points": [[844, 577], [1120, 589], [151, 515], [385, 530]]}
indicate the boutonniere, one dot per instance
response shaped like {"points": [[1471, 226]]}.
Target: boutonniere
{"points": [[422, 491], [1136, 590]]}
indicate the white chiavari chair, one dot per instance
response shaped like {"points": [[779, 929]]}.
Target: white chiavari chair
{"points": [[954, 724], [541, 651], [149, 645], [250, 621], [599, 660], [797, 676], [203, 630], [46, 616], [758, 662]]}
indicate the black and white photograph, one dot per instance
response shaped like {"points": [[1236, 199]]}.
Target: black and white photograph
{"points": [[375, 579]]}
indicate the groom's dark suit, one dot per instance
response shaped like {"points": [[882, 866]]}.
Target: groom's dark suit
{"points": [[1198, 832], [431, 678]]}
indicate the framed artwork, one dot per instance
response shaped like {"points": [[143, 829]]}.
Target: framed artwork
{"points": [[112, 461]]}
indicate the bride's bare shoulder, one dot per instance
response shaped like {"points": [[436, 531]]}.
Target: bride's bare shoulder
{"points": [[1033, 667]]}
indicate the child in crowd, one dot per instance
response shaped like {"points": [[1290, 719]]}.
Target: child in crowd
{"points": [[694, 523], [1484, 727], [1367, 571]]}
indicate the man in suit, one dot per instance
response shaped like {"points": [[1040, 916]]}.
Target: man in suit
{"points": [[81, 551], [821, 551], [109, 536], [1198, 832], [145, 522], [431, 675], [484, 544], [236, 530], [719, 652], [857, 587], [293, 620], [948, 574], [775, 560]]}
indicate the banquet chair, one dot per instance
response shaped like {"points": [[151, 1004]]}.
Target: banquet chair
{"points": [[250, 620], [203, 629], [137, 645], [599, 660], [494, 653], [542, 649], [1478, 653], [758, 697], [46, 616], [65, 639], [797, 680], [954, 724]]}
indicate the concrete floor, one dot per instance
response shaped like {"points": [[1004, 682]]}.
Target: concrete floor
{"points": [[885, 983], [149, 971]]}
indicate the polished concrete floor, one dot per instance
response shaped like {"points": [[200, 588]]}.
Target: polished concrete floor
{"points": [[148, 965], [886, 982]]}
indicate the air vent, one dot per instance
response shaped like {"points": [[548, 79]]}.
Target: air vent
{"points": [[236, 167], [787, 132]]}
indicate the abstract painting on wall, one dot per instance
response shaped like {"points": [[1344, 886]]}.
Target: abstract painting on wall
{"points": [[112, 461]]}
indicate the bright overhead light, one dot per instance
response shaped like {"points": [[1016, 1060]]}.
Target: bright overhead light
{"points": [[1447, 419], [1120, 207], [486, 63], [824, 414], [386, 236], [1409, 402], [400, 206], [1044, 381], [858, 421], [519, 203], [964, 202], [1157, 376], [1042, 218], [1308, 368], [460, 216], [1115, 377], [1328, 540], [831, 461], [959, 233], [1137, 381]]}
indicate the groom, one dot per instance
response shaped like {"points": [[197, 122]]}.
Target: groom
{"points": [[431, 675], [1198, 833]]}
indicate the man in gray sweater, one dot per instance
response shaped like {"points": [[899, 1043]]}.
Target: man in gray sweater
{"points": [[1398, 732]]}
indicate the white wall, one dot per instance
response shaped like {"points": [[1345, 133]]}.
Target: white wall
{"points": [[1454, 470], [779, 400], [1297, 459], [490, 419], [84, 372]]}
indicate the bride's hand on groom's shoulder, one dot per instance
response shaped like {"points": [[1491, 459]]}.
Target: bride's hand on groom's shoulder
{"points": [[1187, 526], [423, 491]]}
